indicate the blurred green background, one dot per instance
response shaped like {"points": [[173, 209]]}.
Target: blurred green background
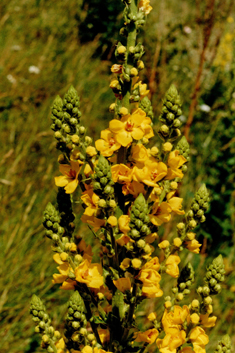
{"points": [[48, 45]]}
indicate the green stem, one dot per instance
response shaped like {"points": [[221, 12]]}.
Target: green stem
{"points": [[93, 325], [131, 42], [130, 314]]}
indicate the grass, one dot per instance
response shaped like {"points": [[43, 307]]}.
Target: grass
{"points": [[45, 34]]}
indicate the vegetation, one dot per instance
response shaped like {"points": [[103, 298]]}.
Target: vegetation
{"points": [[42, 59]]}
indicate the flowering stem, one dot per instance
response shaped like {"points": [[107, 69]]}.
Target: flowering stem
{"points": [[131, 41], [130, 314], [93, 325]]}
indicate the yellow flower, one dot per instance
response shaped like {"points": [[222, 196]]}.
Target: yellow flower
{"points": [[94, 222], [195, 318], [172, 265], [152, 316], [134, 188], [91, 201], [107, 145], [90, 274], [199, 339], [121, 173], [164, 244], [112, 220], [172, 321], [123, 240], [193, 246], [151, 237], [175, 203], [123, 223], [128, 128], [207, 321], [64, 270], [170, 342], [123, 284], [151, 278], [160, 214], [148, 336], [85, 250], [145, 7], [186, 350], [139, 154], [91, 151], [87, 349], [142, 89], [125, 263], [60, 345], [116, 68], [69, 180], [175, 161]]}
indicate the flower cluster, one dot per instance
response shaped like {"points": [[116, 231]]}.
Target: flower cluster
{"points": [[128, 186]]}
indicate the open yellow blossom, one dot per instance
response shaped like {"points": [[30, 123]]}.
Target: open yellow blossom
{"points": [[123, 223], [134, 188], [139, 154], [91, 201], [148, 336], [123, 284], [175, 203], [170, 342], [64, 269], [151, 173], [142, 89], [193, 246], [128, 128], [94, 222], [151, 278], [199, 339], [90, 274], [207, 321], [107, 145], [160, 214], [172, 321], [175, 161], [121, 173], [172, 265], [69, 179]]}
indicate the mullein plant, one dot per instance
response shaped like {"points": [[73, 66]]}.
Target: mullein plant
{"points": [[129, 190]]}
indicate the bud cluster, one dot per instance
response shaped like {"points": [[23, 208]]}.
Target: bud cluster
{"points": [[51, 222], [146, 106], [184, 282], [215, 275], [140, 223], [224, 346], [69, 133], [102, 179], [199, 206], [75, 328], [43, 324], [171, 111], [183, 148]]}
